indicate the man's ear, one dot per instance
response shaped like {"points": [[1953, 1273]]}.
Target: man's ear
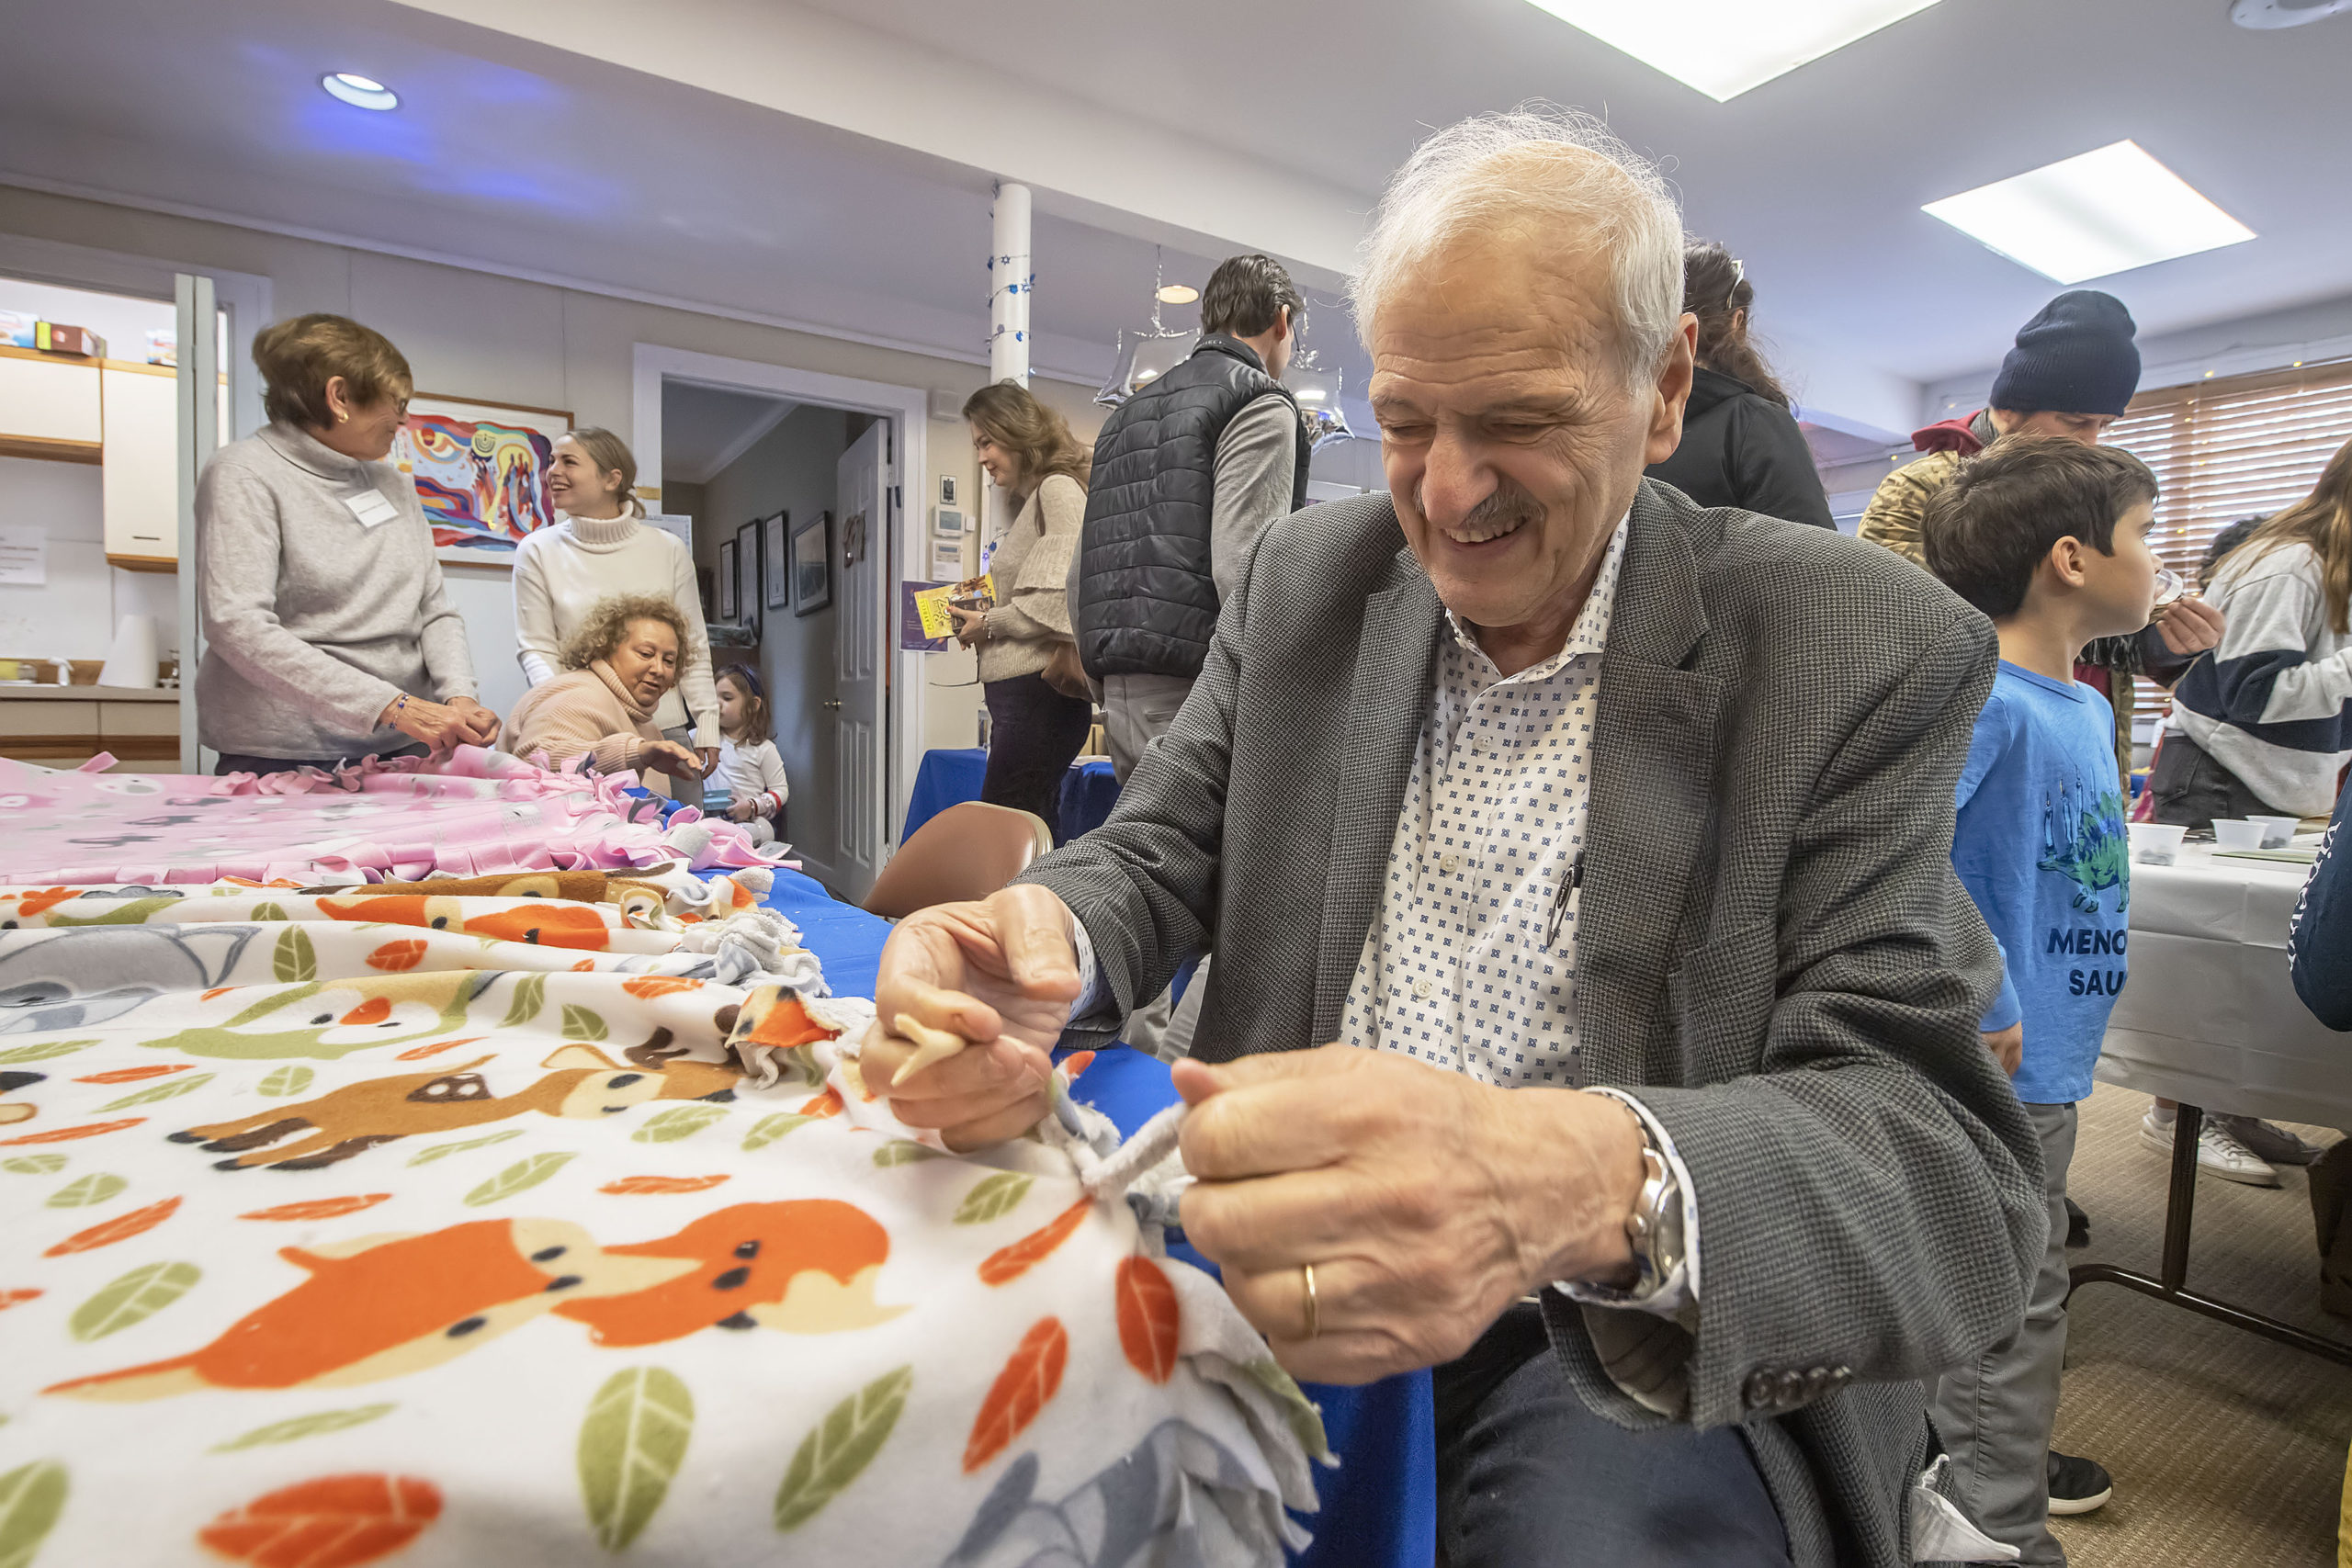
{"points": [[1673, 392], [2067, 558]]}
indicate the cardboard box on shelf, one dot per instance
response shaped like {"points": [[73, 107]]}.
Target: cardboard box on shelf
{"points": [[17, 327], [163, 345], [56, 337]]}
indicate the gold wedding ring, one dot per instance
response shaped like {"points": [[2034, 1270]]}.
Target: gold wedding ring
{"points": [[1314, 1312]]}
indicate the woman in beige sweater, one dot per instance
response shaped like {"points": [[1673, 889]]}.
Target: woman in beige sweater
{"points": [[1033, 728], [618, 666]]}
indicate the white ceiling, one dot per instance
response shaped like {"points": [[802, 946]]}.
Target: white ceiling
{"points": [[706, 428], [531, 156]]}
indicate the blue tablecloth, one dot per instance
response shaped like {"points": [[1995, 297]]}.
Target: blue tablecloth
{"points": [[947, 776], [1380, 1506]]}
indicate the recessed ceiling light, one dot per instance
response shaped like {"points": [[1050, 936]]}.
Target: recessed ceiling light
{"points": [[2102, 212], [1178, 294], [360, 92], [1724, 46]]}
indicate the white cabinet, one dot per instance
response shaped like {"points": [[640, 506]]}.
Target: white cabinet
{"points": [[140, 467], [49, 408]]}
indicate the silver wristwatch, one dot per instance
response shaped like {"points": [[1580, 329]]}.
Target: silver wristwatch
{"points": [[1655, 1227]]}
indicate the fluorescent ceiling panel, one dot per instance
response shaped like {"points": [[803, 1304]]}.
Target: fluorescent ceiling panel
{"points": [[1724, 46], [2105, 212]]}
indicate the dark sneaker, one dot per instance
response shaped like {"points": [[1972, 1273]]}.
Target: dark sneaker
{"points": [[2078, 1225], [2077, 1485]]}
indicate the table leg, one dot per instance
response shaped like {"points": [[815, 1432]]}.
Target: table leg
{"points": [[2180, 1206]]}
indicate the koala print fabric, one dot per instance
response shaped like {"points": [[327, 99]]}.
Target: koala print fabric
{"points": [[349, 1226], [474, 813]]}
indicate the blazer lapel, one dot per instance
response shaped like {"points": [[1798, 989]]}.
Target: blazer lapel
{"points": [[1386, 701], [1652, 812]]}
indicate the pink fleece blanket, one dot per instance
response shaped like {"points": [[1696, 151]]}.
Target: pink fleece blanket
{"points": [[474, 813]]}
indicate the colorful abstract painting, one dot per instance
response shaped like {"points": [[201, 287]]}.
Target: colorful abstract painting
{"points": [[481, 472]]}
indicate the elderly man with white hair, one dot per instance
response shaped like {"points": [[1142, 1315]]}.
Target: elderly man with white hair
{"points": [[1594, 1017]]}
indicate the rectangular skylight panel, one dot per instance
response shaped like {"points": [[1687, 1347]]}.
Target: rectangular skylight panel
{"points": [[2102, 212], [1724, 46]]}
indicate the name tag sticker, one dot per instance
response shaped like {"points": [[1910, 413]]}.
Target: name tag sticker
{"points": [[371, 507]]}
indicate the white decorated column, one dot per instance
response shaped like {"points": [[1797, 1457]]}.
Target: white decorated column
{"points": [[1009, 281]]}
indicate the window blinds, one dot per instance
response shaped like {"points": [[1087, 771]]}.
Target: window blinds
{"points": [[2229, 448]]}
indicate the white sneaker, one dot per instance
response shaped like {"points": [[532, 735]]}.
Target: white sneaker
{"points": [[2217, 1153]]}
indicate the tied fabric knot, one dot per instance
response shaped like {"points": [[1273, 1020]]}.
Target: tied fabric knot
{"points": [[1147, 1170]]}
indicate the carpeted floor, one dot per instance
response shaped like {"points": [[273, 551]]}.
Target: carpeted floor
{"points": [[2228, 1449]]}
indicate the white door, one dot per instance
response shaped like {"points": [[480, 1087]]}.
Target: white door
{"points": [[861, 546]]}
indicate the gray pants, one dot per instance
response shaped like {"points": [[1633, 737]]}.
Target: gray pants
{"points": [[1136, 711], [1994, 1417]]}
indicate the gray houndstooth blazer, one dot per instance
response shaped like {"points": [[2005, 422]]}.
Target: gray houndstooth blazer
{"points": [[1771, 945]]}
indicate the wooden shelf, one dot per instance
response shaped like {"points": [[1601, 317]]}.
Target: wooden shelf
{"points": [[145, 563], [52, 449]]}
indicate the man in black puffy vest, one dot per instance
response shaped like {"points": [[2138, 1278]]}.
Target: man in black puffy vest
{"points": [[1187, 473]]}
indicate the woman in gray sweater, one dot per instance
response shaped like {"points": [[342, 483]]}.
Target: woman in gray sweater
{"points": [[328, 635], [1035, 729]]}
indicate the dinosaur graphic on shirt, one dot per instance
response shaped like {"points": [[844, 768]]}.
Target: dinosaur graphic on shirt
{"points": [[2084, 839]]}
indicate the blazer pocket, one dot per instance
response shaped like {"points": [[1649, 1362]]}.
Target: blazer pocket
{"points": [[1721, 998]]}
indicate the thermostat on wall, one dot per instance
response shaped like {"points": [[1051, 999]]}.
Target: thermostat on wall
{"points": [[947, 523]]}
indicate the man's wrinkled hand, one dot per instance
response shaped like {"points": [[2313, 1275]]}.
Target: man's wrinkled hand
{"points": [[1001, 974], [1427, 1203]]}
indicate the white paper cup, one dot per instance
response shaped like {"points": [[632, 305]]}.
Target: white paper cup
{"points": [[2156, 844], [2233, 833], [2277, 831]]}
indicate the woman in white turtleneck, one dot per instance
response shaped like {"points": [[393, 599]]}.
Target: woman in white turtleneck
{"points": [[596, 549]]}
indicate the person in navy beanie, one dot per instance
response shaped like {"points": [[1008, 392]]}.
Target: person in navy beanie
{"points": [[2073, 362]]}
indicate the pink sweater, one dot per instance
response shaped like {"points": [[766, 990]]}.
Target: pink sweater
{"points": [[583, 713]]}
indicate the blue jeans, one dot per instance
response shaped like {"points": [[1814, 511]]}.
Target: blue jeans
{"points": [[1527, 1477]]}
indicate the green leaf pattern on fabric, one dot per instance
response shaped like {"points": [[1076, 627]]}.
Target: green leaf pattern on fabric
{"points": [[34, 1165], [581, 1024], [901, 1151], [296, 960], [630, 1446], [1306, 1421], [993, 1197], [41, 1053], [296, 1428], [684, 1122], [530, 999], [770, 1128], [95, 1188], [267, 912], [443, 1151], [841, 1447], [132, 1298], [286, 1080], [520, 1177], [31, 1496], [170, 1088]]}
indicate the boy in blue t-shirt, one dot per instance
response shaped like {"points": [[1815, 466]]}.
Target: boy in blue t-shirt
{"points": [[2049, 538]]}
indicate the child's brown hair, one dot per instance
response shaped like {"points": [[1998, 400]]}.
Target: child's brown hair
{"points": [[756, 723]]}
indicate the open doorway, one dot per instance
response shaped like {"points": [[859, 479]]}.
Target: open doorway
{"points": [[786, 484]]}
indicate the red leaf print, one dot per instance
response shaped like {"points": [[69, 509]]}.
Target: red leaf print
{"points": [[1015, 1258], [435, 1047], [336, 1521], [1075, 1062], [67, 1135], [16, 1298], [826, 1104], [395, 956], [217, 992], [647, 986], [319, 1208], [122, 1227], [629, 1185], [1032, 1377], [1148, 1318], [584, 964], [132, 1075], [47, 898]]}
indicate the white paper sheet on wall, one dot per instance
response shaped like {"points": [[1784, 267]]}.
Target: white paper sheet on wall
{"points": [[23, 557]]}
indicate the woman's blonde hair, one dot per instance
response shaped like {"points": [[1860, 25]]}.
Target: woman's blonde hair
{"points": [[600, 636], [297, 358], [607, 452], [2322, 519], [1040, 439]]}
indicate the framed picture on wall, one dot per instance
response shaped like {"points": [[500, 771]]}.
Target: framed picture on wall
{"points": [[812, 565], [747, 564], [776, 562], [481, 472], [727, 580]]}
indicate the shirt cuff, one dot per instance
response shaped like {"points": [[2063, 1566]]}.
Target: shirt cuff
{"points": [[1677, 1293], [1092, 993]]}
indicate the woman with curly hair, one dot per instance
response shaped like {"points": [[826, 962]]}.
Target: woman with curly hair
{"points": [[618, 666]]}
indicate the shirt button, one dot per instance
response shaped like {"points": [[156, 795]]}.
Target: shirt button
{"points": [[1449, 864], [1423, 988]]}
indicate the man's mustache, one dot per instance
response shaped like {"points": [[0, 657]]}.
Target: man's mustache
{"points": [[1508, 505]]}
